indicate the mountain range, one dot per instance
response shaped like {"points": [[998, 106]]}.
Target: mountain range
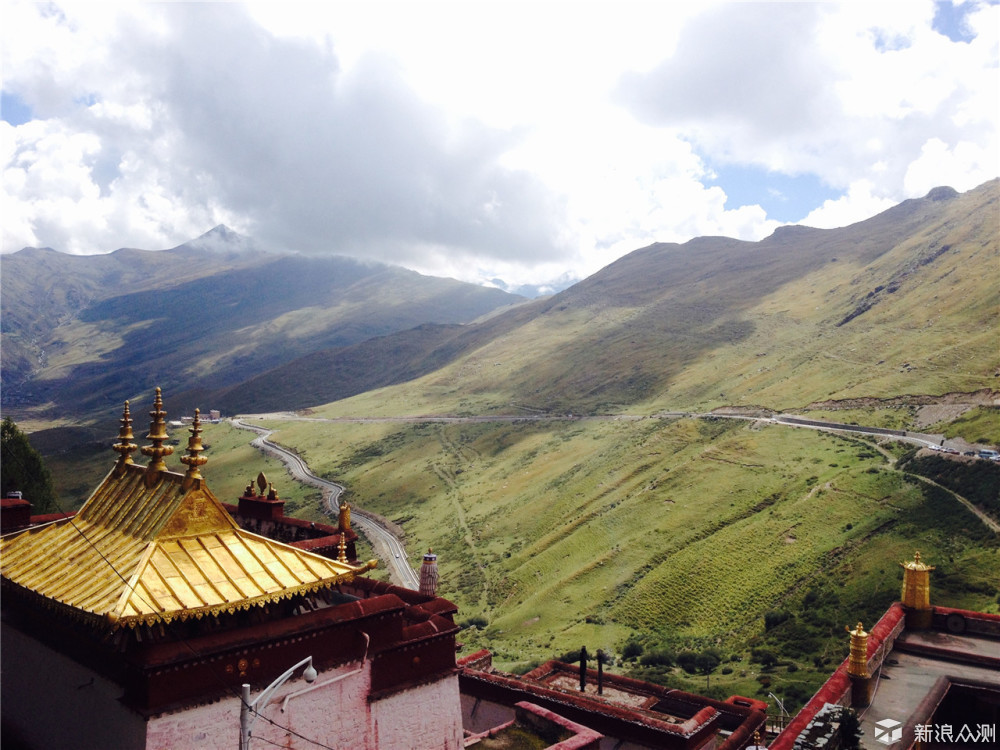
{"points": [[82, 333], [905, 302]]}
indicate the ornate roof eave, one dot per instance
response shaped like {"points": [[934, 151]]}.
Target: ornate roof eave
{"points": [[183, 615], [111, 622]]}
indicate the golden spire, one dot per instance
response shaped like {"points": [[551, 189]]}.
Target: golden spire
{"points": [[126, 446], [342, 548], [193, 459], [857, 664], [158, 436], [344, 518], [916, 592]]}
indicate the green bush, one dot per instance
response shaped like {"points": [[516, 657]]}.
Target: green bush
{"points": [[764, 657], [688, 661], [775, 617], [659, 658], [632, 650]]}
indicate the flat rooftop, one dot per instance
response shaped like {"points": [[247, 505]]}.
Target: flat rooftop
{"points": [[917, 677]]}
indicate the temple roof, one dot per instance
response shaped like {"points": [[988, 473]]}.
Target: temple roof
{"points": [[153, 546]]}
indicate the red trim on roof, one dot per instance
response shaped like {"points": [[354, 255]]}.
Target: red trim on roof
{"points": [[839, 684]]}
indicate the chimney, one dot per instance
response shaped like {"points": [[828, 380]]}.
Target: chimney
{"points": [[15, 512]]}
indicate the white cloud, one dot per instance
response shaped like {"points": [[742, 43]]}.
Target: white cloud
{"points": [[522, 141], [857, 204], [962, 167], [826, 89]]}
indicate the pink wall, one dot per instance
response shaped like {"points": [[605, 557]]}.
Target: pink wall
{"points": [[334, 713]]}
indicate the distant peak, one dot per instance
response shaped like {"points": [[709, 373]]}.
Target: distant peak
{"points": [[942, 194], [221, 239], [222, 232]]}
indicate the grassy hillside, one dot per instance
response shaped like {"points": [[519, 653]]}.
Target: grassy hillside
{"points": [[903, 303], [676, 534]]}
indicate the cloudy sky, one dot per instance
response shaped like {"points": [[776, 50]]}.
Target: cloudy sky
{"points": [[525, 141]]}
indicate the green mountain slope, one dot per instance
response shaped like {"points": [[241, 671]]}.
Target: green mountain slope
{"points": [[903, 303], [82, 333]]}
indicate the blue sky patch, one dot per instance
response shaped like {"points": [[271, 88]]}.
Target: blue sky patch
{"points": [[949, 20], [784, 197], [13, 110]]}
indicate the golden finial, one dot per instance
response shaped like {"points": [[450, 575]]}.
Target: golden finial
{"points": [[194, 459], [917, 564], [344, 517], [916, 591], [272, 494], [342, 548], [125, 447], [261, 483], [158, 436], [858, 662]]}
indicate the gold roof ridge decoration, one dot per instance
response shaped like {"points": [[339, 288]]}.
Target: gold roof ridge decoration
{"points": [[916, 564], [193, 460], [152, 545], [126, 447], [157, 436]]}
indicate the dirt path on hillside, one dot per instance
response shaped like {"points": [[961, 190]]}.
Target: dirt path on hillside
{"points": [[950, 404]]}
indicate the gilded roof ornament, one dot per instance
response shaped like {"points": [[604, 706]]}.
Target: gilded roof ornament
{"points": [[157, 436], [342, 548], [193, 459], [917, 564], [125, 447], [857, 663], [916, 591]]}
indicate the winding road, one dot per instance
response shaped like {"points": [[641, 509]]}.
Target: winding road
{"points": [[390, 546], [387, 545]]}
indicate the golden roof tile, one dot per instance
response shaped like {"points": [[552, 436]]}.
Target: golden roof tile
{"points": [[154, 547]]}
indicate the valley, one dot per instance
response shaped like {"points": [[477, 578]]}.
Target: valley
{"points": [[667, 534], [606, 467]]}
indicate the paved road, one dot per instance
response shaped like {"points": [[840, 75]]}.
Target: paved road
{"points": [[386, 544], [395, 553]]}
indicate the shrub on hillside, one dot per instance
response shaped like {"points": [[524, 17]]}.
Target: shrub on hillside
{"points": [[687, 660], [475, 621], [775, 617], [660, 658], [631, 650]]}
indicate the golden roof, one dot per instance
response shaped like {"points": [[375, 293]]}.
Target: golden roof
{"points": [[154, 546]]}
